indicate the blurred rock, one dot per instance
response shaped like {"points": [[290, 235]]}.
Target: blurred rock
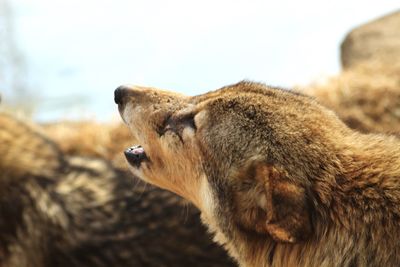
{"points": [[378, 40]]}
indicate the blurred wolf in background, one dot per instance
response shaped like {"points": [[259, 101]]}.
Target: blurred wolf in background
{"points": [[74, 211]]}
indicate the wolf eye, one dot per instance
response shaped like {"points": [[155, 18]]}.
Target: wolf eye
{"points": [[188, 121], [175, 124], [164, 125]]}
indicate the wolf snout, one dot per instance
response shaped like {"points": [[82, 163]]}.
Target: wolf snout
{"points": [[119, 94]]}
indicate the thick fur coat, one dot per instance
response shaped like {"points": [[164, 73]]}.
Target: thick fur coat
{"points": [[280, 180]]}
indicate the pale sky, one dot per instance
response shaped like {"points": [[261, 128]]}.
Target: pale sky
{"points": [[84, 49]]}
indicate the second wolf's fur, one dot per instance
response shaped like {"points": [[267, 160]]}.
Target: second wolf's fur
{"points": [[74, 211]]}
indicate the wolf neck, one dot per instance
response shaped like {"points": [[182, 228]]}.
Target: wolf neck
{"points": [[368, 180], [361, 202], [365, 194]]}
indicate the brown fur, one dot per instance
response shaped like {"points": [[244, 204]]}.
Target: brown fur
{"points": [[366, 97], [75, 211], [280, 180], [91, 139]]}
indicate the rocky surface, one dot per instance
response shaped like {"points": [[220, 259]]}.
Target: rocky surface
{"points": [[378, 40]]}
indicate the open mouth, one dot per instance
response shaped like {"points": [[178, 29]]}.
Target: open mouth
{"points": [[135, 155]]}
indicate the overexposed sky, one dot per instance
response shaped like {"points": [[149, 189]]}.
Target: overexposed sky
{"points": [[86, 48]]}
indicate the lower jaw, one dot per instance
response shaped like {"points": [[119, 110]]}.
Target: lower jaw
{"points": [[135, 156]]}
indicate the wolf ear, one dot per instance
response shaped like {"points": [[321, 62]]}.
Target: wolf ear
{"points": [[287, 213]]}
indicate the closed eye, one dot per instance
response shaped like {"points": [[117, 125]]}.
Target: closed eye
{"points": [[177, 124], [163, 126], [188, 121]]}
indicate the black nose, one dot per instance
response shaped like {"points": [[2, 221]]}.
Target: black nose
{"points": [[119, 94]]}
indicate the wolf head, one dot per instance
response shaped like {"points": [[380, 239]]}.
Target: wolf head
{"points": [[248, 155]]}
